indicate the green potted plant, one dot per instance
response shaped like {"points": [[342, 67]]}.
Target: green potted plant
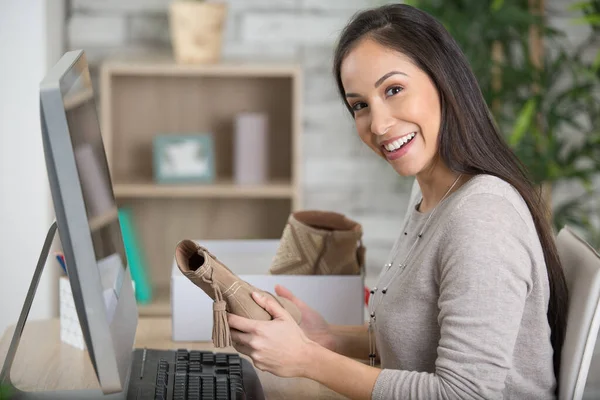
{"points": [[196, 29], [543, 93], [6, 391]]}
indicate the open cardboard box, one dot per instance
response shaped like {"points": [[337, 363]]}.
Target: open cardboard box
{"points": [[338, 298]]}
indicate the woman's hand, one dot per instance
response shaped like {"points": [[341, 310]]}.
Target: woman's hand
{"points": [[278, 346], [312, 323]]}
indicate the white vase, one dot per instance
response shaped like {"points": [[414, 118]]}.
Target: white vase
{"points": [[251, 148]]}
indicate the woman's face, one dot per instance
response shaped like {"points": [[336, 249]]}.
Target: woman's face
{"points": [[396, 106]]}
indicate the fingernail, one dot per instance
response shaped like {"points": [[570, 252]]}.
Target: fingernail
{"points": [[258, 295]]}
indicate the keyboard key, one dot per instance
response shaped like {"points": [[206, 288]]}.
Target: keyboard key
{"points": [[160, 393], [235, 370], [208, 358], [195, 355], [221, 359], [208, 386], [180, 385], [182, 354], [195, 367], [181, 367], [222, 387], [194, 387], [179, 396]]}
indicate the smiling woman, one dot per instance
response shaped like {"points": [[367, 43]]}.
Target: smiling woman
{"points": [[472, 301], [395, 105]]}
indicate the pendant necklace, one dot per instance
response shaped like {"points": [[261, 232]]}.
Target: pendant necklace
{"points": [[372, 306]]}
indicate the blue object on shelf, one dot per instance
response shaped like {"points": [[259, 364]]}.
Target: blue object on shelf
{"points": [[135, 258]]}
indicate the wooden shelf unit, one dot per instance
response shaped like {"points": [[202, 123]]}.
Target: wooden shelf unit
{"points": [[143, 98]]}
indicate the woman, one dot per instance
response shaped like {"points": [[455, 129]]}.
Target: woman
{"points": [[472, 302]]}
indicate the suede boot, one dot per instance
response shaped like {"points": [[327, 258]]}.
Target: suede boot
{"points": [[319, 243], [229, 292]]}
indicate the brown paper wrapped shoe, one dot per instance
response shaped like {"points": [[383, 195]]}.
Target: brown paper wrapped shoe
{"points": [[319, 243], [229, 292]]}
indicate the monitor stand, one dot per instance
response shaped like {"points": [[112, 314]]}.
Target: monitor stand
{"points": [[6, 386]]}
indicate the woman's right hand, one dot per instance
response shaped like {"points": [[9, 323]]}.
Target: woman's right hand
{"points": [[312, 323]]}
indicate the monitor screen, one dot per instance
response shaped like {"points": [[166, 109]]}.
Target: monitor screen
{"points": [[87, 219], [96, 187]]}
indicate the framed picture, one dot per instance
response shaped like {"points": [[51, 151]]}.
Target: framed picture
{"points": [[184, 158]]}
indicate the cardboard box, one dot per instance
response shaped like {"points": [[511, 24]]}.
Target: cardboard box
{"points": [[338, 298]]}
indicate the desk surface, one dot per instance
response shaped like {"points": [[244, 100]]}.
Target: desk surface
{"points": [[43, 362]]}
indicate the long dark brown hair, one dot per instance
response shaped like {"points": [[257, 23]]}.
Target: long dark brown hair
{"points": [[469, 140]]}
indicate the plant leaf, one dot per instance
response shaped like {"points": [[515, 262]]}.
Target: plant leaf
{"points": [[523, 122], [496, 5]]}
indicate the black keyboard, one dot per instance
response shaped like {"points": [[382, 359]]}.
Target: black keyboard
{"points": [[194, 375]]}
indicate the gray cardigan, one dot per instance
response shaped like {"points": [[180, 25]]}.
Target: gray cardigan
{"points": [[467, 318]]}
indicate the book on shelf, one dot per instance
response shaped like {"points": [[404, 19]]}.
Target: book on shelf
{"points": [[135, 257]]}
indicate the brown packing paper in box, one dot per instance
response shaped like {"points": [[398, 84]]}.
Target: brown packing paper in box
{"points": [[320, 243]]}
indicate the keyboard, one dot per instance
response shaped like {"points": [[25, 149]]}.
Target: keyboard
{"points": [[194, 375]]}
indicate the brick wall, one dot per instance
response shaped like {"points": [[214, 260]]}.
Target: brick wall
{"points": [[342, 175]]}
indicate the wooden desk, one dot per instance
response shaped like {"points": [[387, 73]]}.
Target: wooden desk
{"points": [[43, 362]]}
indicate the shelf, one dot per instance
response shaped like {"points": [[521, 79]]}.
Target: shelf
{"points": [[160, 305], [223, 189], [167, 66], [142, 98]]}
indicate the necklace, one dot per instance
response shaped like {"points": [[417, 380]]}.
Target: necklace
{"points": [[395, 249]]}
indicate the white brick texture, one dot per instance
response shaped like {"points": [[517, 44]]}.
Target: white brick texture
{"points": [[339, 171], [291, 28], [324, 143], [340, 200], [328, 114], [163, 5], [87, 30], [263, 4], [150, 29], [272, 52], [330, 173], [384, 198], [329, 5], [318, 59], [120, 5], [359, 198], [96, 55], [319, 88]]}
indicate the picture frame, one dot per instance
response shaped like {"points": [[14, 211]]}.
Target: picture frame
{"points": [[184, 158]]}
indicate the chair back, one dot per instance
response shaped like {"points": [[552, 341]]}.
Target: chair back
{"points": [[581, 265]]}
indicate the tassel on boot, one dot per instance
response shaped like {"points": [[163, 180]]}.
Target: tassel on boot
{"points": [[221, 335]]}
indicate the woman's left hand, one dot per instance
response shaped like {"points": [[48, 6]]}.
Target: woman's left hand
{"points": [[278, 346]]}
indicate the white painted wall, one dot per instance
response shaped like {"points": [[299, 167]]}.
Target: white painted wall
{"points": [[30, 39]]}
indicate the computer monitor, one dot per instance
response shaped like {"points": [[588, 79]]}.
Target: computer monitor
{"points": [[87, 219], [96, 262]]}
